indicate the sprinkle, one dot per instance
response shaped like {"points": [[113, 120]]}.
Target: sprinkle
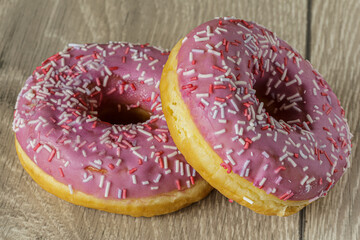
{"points": [[265, 154], [119, 193], [53, 152], [107, 188], [153, 62], [220, 132], [304, 180], [134, 179], [192, 71], [292, 162], [202, 95], [214, 52], [205, 75], [248, 200], [157, 179], [178, 184], [102, 177], [218, 146], [173, 154], [70, 189]]}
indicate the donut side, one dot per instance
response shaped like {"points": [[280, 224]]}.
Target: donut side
{"points": [[136, 207], [204, 159]]}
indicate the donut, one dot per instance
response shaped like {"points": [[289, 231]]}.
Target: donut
{"points": [[89, 129], [253, 117]]}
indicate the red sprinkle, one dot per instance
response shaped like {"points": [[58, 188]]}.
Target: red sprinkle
{"points": [[178, 184], [61, 172], [131, 171], [52, 154]]}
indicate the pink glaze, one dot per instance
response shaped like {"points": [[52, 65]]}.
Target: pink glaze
{"points": [[293, 143], [56, 122]]}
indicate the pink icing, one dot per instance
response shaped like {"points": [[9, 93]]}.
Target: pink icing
{"points": [[56, 122], [294, 142]]}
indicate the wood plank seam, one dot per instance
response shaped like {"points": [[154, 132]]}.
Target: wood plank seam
{"points": [[302, 218]]}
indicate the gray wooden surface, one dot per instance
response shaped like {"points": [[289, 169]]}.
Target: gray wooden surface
{"points": [[327, 32]]}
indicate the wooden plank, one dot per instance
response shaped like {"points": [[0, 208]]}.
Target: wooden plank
{"points": [[335, 52], [31, 31]]}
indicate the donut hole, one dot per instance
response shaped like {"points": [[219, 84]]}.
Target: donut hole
{"points": [[280, 102], [122, 114]]}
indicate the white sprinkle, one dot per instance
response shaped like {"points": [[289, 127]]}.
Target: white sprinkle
{"points": [[310, 180], [201, 95], [209, 46], [102, 177], [248, 200], [234, 104], [316, 85], [302, 154], [106, 78], [107, 188], [145, 132], [181, 168], [197, 50], [192, 71], [173, 154], [165, 163], [145, 182], [157, 178], [191, 58], [153, 62], [210, 75], [265, 154], [119, 193], [266, 167], [244, 167], [177, 166], [214, 52], [231, 160], [88, 179], [220, 132], [304, 179], [262, 181], [118, 162], [309, 118], [188, 172], [137, 154], [215, 114], [197, 39], [292, 162], [283, 157], [218, 146], [170, 147], [206, 103], [70, 189], [134, 179]]}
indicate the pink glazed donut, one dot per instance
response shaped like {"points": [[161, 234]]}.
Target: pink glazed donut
{"points": [[90, 130], [253, 117]]}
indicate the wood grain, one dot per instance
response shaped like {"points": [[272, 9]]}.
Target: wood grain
{"points": [[31, 31], [335, 52]]}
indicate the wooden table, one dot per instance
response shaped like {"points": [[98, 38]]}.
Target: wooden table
{"points": [[325, 32]]}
